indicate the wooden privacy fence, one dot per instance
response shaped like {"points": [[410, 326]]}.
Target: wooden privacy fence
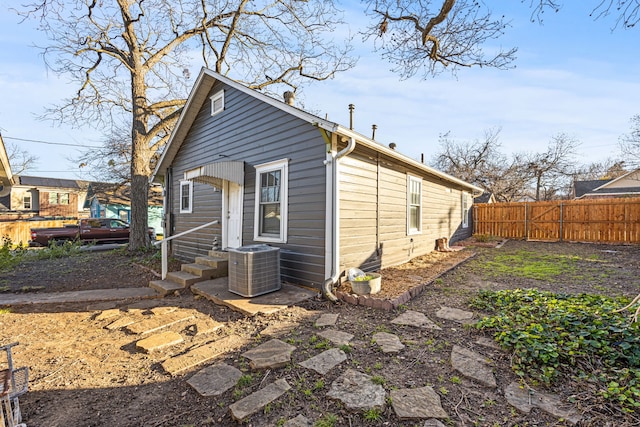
{"points": [[20, 231], [590, 220]]}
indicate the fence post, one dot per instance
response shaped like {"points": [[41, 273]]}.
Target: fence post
{"points": [[561, 221], [526, 221]]}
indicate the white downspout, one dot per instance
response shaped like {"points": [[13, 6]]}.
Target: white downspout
{"points": [[332, 222]]}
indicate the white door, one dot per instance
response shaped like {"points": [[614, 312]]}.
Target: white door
{"points": [[232, 227]]}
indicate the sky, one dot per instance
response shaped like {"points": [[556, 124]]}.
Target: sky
{"points": [[573, 75]]}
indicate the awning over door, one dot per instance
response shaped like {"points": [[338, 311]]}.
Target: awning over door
{"points": [[215, 173]]}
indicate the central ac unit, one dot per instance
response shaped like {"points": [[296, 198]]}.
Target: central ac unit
{"points": [[254, 270]]}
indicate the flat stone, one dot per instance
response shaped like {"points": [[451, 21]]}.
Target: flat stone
{"points": [[206, 326], [214, 380], [217, 290], [158, 322], [356, 391], [389, 343], [411, 403], [259, 399], [433, 423], [472, 365], [299, 421], [182, 362], [107, 305], [279, 329], [455, 314], [120, 323], [270, 355], [108, 314], [325, 361], [159, 341], [327, 319], [524, 400], [416, 319], [488, 342], [336, 337]]}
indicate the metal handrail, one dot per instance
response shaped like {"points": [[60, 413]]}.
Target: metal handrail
{"points": [[164, 249]]}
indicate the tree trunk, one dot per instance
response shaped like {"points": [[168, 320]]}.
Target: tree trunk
{"points": [[140, 169]]}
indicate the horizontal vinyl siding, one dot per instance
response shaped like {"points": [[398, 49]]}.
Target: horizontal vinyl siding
{"points": [[374, 235], [256, 133]]}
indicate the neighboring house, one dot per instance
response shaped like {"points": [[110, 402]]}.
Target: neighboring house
{"points": [[486, 197], [627, 185], [107, 200], [274, 174], [6, 177], [55, 198]]}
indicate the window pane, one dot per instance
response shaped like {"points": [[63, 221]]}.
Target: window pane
{"points": [[184, 202], [64, 198], [414, 217], [270, 218], [53, 198]]}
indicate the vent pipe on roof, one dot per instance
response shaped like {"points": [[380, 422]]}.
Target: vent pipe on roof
{"points": [[289, 97], [351, 108], [392, 145], [373, 133]]}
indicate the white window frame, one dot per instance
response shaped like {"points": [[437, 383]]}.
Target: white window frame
{"points": [[218, 96], [189, 186], [464, 207], [283, 166], [27, 202], [411, 179]]}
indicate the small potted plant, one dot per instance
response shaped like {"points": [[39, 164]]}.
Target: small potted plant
{"points": [[364, 283]]}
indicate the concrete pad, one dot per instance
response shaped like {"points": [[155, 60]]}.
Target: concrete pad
{"points": [[259, 399], [270, 355], [217, 290], [472, 365], [389, 343], [158, 322], [356, 391], [327, 319], [214, 380], [99, 306], [115, 294], [159, 341], [455, 314], [325, 361], [336, 337], [411, 403], [181, 363], [526, 399], [416, 319]]}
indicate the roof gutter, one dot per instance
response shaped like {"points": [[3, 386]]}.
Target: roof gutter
{"points": [[332, 223]]}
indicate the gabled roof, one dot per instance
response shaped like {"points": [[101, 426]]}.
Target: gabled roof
{"points": [[205, 81], [37, 181], [583, 187], [608, 186]]}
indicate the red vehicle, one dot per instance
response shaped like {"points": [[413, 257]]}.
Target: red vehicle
{"points": [[91, 230]]}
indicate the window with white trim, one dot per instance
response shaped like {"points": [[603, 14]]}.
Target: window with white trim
{"points": [[217, 102], [465, 210], [186, 196], [414, 205], [271, 201], [26, 201]]}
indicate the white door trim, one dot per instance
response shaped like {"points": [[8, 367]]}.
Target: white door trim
{"points": [[232, 194]]}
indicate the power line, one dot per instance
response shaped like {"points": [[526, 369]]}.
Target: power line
{"points": [[51, 143]]}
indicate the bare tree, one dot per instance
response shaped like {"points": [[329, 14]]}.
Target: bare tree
{"points": [[131, 60], [606, 169], [21, 161], [630, 142], [428, 36], [551, 172], [481, 163]]}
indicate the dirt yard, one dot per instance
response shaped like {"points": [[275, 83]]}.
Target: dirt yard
{"points": [[83, 374]]}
